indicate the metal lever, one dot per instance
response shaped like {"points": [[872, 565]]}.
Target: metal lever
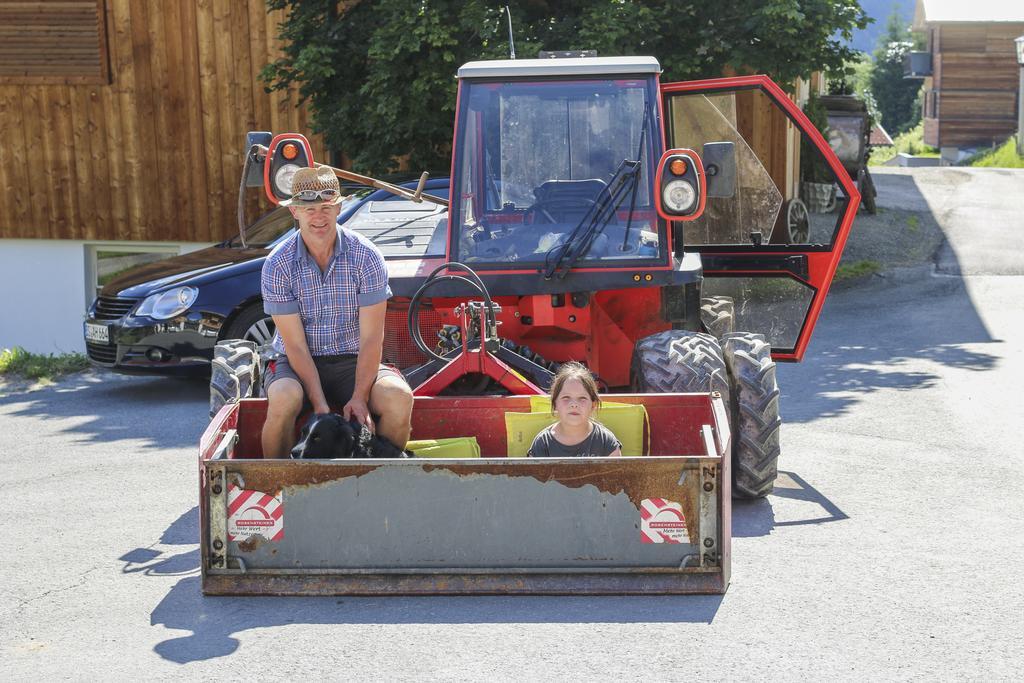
{"points": [[419, 187]]}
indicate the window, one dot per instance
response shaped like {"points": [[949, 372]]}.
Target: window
{"points": [[106, 262], [554, 172], [48, 42]]}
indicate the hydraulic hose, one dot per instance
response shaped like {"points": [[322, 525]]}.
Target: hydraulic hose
{"points": [[434, 278]]}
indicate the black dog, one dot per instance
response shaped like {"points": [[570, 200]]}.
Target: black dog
{"points": [[331, 436]]}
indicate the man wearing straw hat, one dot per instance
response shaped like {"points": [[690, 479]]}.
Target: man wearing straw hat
{"points": [[327, 290]]}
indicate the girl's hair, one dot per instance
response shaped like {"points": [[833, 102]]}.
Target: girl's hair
{"points": [[574, 370]]}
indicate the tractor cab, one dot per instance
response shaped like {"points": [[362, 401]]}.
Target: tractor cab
{"points": [[554, 164]]}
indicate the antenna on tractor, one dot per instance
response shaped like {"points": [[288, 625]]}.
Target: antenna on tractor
{"points": [[511, 40]]}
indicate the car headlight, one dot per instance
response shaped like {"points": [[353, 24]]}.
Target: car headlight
{"points": [[679, 196], [283, 178], [168, 304]]}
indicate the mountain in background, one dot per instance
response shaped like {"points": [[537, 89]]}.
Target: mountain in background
{"points": [[879, 10]]}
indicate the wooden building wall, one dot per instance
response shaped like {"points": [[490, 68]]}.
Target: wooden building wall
{"points": [[973, 84], [152, 149]]}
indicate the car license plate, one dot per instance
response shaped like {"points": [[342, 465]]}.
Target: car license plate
{"points": [[97, 333]]}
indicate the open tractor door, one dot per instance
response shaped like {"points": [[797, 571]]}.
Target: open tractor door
{"points": [[659, 234], [769, 250], [769, 243]]}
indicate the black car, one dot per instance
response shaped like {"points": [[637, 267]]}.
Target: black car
{"points": [[166, 317]]}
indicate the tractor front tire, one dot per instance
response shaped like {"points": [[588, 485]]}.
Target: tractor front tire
{"points": [[754, 409], [717, 313], [679, 361]]}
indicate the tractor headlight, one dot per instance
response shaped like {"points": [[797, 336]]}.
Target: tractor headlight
{"points": [[679, 196], [167, 304], [283, 178]]}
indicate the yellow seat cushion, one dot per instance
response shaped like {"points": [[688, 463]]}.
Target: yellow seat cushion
{"points": [[626, 421], [455, 447]]}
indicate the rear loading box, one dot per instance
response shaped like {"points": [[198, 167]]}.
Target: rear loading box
{"points": [[491, 525]]}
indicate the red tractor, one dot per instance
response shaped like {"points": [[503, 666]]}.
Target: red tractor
{"points": [[653, 231], [596, 215]]}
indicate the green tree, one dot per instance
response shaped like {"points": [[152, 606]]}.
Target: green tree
{"points": [[895, 96], [379, 74], [813, 167]]}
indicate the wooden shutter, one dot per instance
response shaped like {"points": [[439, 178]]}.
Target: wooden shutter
{"points": [[53, 42]]}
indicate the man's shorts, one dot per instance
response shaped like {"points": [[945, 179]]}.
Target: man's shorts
{"points": [[337, 376]]}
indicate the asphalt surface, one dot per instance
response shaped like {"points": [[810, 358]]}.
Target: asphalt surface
{"points": [[892, 548], [980, 211]]}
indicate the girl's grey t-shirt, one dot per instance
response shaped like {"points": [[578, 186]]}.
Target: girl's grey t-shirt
{"points": [[599, 444]]}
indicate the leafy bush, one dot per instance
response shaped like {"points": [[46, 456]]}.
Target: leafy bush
{"points": [[1003, 156], [20, 363], [897, 97], [813, 167], [911, 142], [862, 268]]}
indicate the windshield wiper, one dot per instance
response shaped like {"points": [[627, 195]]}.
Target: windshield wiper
{"points": [[593, 222], [636, 182], [625, 181]]}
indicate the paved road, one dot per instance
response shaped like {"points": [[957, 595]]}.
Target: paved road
{"points": [[981, 211], [892, 548]]}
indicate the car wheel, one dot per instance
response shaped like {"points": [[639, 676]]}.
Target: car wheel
{"points": [[252, 324]]}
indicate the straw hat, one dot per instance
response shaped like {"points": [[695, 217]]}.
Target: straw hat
{"points": [[312, 180]]}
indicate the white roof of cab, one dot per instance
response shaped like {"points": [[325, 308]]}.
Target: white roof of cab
{"points": [[571, 66], [976, 11]]}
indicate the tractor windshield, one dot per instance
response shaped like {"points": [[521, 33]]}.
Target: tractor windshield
{"points": [[555, 172]]}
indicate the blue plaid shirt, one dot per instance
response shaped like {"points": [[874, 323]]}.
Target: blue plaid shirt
{"points": [[328, 301]]}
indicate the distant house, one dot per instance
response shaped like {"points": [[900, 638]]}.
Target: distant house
{"points": [[970, 70], [122, 126], [879, 137]]}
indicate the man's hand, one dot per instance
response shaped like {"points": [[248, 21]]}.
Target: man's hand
{"points": [[357, 410]]}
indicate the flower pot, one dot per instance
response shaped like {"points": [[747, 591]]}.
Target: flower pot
{"points": [[819, 197]]}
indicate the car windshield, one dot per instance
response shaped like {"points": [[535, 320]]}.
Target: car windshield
{"points": [[272, 225], [540, 171]]}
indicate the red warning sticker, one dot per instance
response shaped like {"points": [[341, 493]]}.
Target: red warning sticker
{"points": [[254, 513], [662, 521]]}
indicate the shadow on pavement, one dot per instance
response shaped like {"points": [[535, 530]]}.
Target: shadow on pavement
{"points": [[756, 517], [159, 411], [153, 562], [871, 331], [213, 622], [874, 338]]}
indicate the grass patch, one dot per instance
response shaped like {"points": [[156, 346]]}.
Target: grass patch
{"points": [[911, 142], [913, 223], [847, 271], [19, 363], [1003, 156]]}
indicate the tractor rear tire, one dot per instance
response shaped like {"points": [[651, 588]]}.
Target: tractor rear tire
{"points": [[754, 409], [235, 373], [717, 313], [679, 361]]}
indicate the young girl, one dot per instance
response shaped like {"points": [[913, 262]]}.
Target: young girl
{"points": [[574, 399]]}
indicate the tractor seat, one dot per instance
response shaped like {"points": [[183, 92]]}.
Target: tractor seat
{"points": [[569, 200]]}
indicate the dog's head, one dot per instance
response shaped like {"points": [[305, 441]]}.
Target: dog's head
{"points": [[327, 436]]}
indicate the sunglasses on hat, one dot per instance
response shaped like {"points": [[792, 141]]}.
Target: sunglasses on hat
{"points": [[326, 194]]}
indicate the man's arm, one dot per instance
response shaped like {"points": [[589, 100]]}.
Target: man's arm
{"points": [[371, 347], [294, 337]]}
